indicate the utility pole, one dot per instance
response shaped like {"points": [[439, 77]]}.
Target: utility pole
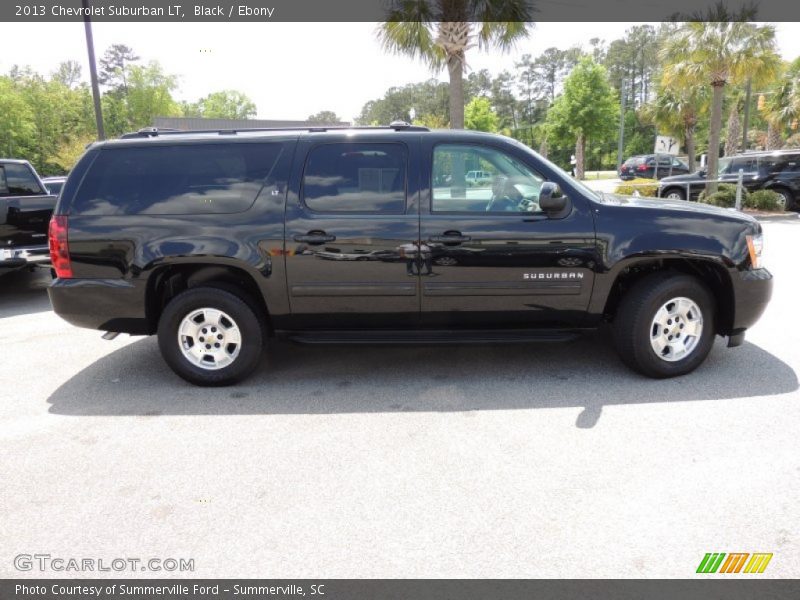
{"points": [[621, 124], [98, 109], [746, 125]]}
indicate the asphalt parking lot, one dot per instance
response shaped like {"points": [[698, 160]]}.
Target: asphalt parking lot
{"points": [[471, 461]]}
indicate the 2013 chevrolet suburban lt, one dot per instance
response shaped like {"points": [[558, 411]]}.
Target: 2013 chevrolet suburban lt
{"points": [[219, 240]]}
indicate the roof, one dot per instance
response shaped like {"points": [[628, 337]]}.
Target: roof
{"points": [[16, 161]]}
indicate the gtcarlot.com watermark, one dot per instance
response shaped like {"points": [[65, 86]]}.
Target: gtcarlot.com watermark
{"points": [[72, 564]]}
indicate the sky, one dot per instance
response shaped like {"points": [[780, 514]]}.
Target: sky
{"points": [[290, 70]]}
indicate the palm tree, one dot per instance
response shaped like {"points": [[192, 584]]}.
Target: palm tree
{"points": [[677, 111], [441, 31], [782, 105], [716, 54]]}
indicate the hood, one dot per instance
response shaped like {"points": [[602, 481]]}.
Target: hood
{"points": [[676, 206], [685, 177]]}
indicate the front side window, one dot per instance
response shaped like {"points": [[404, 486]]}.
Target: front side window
{"points": [[17, 180], [356, 178], [470, 178], [181, 179]]}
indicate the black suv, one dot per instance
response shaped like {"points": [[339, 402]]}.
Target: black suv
{"points": [[778, 171], [219, 240], [644, 167]]}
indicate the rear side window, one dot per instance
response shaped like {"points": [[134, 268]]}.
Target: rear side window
{"points": [[177, 180], [356, 177], [18, 180]]}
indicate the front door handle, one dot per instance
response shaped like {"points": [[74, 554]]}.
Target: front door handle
{"points": [[449, 238], [315, 237]]}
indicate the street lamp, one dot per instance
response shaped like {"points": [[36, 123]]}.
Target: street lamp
{"points": [[98, 109]]}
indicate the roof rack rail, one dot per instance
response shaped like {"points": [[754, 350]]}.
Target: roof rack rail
{"points": [[156, 131]]}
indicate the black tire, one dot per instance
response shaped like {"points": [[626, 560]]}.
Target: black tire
{"points": [[674, 193], [788, 198], [250, 326], [634, 319]]}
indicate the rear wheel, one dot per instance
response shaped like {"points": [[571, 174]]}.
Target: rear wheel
{"points": [[664, 326], [674, 194], [210, 336]]}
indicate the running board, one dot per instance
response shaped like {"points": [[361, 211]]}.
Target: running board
{"points": [[430, 336]]}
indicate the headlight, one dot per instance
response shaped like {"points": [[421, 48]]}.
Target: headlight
{"points": [[755, 244]]}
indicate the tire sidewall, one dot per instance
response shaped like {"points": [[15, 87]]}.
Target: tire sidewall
{"points": [[210, 297]]}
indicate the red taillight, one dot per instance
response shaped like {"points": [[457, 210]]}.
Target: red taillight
{"points": [[641, 168], [59, 248]]}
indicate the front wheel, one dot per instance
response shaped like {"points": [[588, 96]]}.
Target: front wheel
{"points": [[664, 326], [786, 201], [210, 337]]}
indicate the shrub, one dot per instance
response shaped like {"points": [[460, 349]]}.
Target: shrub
{"points": [[725, 196], [765, 200], [645, 187]]}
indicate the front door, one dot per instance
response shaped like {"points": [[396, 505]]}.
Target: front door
{"points": [[490, 257], [351, 230]]}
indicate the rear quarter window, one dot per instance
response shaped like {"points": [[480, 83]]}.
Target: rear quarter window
{"points": [[18, 180], [183, 179]]}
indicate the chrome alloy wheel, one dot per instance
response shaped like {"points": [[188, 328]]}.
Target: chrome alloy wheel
{"points": [[676, 329], [209, 338], [674, 196]]}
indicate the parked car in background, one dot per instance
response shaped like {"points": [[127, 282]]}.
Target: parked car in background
{"points": [[644, 167], [54, 184], [25, 209], [478, 177], [777, 170]]}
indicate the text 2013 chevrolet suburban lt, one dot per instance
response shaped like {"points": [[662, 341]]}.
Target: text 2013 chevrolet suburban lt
{"points": [[218, 240]]}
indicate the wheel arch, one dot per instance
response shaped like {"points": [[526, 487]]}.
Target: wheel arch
{"points": [[711, 273], [167, 281]]}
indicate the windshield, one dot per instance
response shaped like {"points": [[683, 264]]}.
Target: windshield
{"points": [[723, 165]]}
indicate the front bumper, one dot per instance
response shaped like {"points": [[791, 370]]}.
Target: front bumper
{"points": [[105, 304], [752, 291]]}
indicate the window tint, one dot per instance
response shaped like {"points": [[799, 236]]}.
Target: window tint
{"points": [[18, 180], [178, 180], [507, 184], [747, 164], [356, 177]]}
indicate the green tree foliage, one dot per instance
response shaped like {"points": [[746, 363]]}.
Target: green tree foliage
{"points": [[114, 67], [716, 54], [226, 104], [587, 110], [480, 116], [428, 98], [324, 117], [150, 94]]}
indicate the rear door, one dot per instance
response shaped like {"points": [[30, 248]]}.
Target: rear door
{"points": [[352, 222], [489, 256], [25, 207]]}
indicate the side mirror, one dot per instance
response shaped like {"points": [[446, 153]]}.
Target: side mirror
{"points": [[552, 201], [702, 172]]}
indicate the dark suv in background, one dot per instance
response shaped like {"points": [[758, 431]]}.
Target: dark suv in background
{"points": [[777, 170], [644, 167]]}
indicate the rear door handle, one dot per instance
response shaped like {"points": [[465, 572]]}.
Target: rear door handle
{"points": [[315, 237]]}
